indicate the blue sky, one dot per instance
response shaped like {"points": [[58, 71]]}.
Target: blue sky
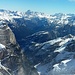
{"points": [[46, 6]]}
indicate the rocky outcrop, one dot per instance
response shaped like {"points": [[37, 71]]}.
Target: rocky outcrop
{"points": [[6, 35], [12, 59]]}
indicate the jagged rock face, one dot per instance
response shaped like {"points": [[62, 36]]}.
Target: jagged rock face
{"points": [[6, 35], [12, 59]]}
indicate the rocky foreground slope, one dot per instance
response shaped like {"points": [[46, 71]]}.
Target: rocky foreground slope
{"points": [[12, 59]]}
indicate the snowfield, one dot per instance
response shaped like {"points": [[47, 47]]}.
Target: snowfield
{"points": [[2, 46]]}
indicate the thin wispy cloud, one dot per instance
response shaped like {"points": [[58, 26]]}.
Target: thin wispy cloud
{"points": [[72, 0]]}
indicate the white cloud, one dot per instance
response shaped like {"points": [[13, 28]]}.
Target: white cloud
{"points": [[72, 0]]}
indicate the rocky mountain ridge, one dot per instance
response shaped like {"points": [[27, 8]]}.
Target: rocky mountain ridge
{"points": [[54, 57], [12, 59]]}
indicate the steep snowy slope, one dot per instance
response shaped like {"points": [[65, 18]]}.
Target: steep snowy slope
{"points": [[54, 57], [2, 46]]}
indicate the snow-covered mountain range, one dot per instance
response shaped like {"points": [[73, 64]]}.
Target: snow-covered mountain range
{"points": [[58, 18], [48, 40]]}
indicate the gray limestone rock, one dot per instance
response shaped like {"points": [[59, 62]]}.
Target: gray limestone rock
{"points": [[12, 59]]}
